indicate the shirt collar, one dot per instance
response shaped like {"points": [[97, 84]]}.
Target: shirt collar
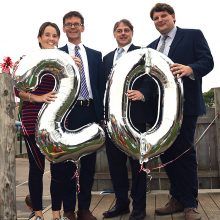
{"points": [[71, 46], [172, 33], [126, 47]]}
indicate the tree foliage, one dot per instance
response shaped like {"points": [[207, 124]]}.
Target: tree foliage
{"points": [[209, 98]]}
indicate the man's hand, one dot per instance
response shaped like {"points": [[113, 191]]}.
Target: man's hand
{"points": [[180, 70], [77, 61], [135, 95]]}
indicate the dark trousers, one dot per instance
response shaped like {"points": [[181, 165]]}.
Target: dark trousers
{"points": [[62, 186], [36, 171], [119, 174], [182, 172], [80, 116]]}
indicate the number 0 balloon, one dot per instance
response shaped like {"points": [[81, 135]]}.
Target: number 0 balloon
{"points": [[55, 141], [143, 146]]}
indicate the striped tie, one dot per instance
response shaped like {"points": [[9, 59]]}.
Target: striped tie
{"points": [[162, 47], [83, 89]]}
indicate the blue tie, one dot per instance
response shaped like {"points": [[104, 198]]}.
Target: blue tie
{"points": [[83, 89], [119, 53]]}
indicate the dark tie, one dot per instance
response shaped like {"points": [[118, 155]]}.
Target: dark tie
{"points": [[162, 47], [119, 53], [83, 89]]}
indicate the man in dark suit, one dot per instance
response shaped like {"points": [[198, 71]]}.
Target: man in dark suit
{"points": [[140, 96], [89, 106], [192, 59]]}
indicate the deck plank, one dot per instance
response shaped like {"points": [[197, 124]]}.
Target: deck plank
{"points": [[104, 204], [150, 209], [209, 206], [216, 198], [201, 209], [161, 200]]}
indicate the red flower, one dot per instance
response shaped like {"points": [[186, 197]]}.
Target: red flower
{"points": [[57, 149], [7, 65]]}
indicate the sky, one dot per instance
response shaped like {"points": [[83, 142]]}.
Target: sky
{"points": [[21, 19]]}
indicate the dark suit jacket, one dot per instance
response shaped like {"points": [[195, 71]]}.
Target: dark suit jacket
{"points": [[97, 79], [141, 112], [189, 47]]}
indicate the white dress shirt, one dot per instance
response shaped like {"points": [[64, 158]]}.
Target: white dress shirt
{"points": [[82, 51]]}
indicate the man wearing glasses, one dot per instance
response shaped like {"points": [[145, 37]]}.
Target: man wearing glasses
{"points": [[88, 108]]}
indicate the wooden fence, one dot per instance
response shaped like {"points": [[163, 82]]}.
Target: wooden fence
{"points": [[208, 154]]}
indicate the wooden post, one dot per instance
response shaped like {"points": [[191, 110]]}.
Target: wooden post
{"points": [[217, 122], [7, 149]]}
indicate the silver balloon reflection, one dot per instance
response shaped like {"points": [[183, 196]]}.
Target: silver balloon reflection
{"points": [[55, 141], [143, 146]]}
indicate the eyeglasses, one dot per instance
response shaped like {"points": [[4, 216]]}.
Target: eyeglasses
{"points": [[75, 25], [119, 31]]}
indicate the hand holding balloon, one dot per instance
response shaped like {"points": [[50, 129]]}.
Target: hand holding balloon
{"points": [[135, 95], [46, 98], [180, 70], [77, 60]]}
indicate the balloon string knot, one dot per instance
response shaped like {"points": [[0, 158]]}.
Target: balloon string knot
{"points": [[142, 168]]}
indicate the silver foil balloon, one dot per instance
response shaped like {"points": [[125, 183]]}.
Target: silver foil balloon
{"points": [[55, 141], [143, 146]]}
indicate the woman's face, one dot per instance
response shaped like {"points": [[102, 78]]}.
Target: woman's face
{"points": [[49, 39]]}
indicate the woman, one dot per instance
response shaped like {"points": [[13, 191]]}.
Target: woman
{"points": [[48, 38]]}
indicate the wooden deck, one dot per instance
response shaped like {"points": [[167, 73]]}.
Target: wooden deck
{"points": [[209, 206]]}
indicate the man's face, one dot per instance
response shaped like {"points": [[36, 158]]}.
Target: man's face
{"points": [[73, 29], [163, 21], [123, 35]]}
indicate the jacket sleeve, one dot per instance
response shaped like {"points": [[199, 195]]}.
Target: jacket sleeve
{"points": [[203, 58]]}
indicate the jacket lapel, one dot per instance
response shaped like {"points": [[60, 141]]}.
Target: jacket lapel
{"points": [[90, 63], [178, 37], [154, 46]]}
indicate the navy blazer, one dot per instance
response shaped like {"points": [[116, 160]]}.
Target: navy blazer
{"points": [[141, 112], [97, 79], [189, 47]]}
